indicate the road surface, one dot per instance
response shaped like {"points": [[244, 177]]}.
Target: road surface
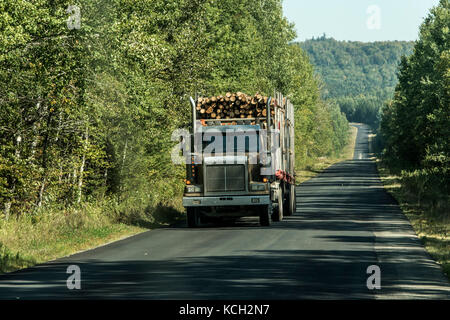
{"points": [[345, 222]]}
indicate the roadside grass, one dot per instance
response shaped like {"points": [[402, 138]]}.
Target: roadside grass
{"points": [[322, 163], [52, 233], [429, 217]]}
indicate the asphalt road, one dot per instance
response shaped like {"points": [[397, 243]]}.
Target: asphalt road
{"points": [[345, 222]]}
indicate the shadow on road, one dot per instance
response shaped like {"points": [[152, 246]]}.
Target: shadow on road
{"points": [[297, 274]]}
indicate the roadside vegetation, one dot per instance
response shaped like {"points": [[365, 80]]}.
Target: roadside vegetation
{"points": [[414, 136], [88, 106]]}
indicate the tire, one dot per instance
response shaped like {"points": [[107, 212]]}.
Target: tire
{"points": [[277, 215], [193, 218], [291, 201], [264, 216], [286, 203]]}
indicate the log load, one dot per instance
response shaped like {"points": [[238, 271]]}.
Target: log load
{"points": [[233, 106]]}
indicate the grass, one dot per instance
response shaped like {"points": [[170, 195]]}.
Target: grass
{"points": [[30, 239], [323, 163], [430, 221]]}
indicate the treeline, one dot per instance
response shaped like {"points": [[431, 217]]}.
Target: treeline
{"points": [[415, 126], [88, 108], [359, 77]]}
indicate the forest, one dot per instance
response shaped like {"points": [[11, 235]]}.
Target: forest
{"points": [[359, 77], [89, 99], [415, 126]]}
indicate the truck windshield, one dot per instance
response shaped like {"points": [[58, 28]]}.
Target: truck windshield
{"points": [[235, 142]]}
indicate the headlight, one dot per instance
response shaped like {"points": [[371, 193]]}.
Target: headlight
{"points": [[258, 187], [193, 189]]}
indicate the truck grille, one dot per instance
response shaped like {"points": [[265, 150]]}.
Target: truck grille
{"points": [[225, 178]]}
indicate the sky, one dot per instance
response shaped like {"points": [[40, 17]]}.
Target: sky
{"points": [[358, 20]]}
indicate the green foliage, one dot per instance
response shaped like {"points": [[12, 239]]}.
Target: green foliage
{"points": [[359, 77], [415, 127], [87, 114], [321, 129], [429, 185], [10, 261]]}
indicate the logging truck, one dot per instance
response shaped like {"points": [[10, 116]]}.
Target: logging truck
{"points": [[240, 159]]}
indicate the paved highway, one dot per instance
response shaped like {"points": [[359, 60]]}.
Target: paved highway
{"points": [[345, 222]]}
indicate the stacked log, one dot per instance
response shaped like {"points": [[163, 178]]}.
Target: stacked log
{"points": [[233, 106]]}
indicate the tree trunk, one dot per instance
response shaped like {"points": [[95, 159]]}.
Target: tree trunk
{"points": [[35, 135], [45, 146], [83, 162], [41, 191], [106, 177], [124, 157], [34, 143], [8, 204], [122, 168], [7, 210]]}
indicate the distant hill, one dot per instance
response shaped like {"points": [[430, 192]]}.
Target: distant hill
{"points": [[359, 76]]}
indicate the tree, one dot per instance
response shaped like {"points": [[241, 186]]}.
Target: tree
{"points": [[416, 125]]}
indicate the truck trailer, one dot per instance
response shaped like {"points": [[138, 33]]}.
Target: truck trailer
{"points": [[241, 166]]}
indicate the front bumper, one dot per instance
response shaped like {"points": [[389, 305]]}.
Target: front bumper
{"points": [[226, 201]]}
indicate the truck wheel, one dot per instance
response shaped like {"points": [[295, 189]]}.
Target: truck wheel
{"points": [[193, 217], [293, 201], [277, 215], [264, 216], [291, 205]]}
